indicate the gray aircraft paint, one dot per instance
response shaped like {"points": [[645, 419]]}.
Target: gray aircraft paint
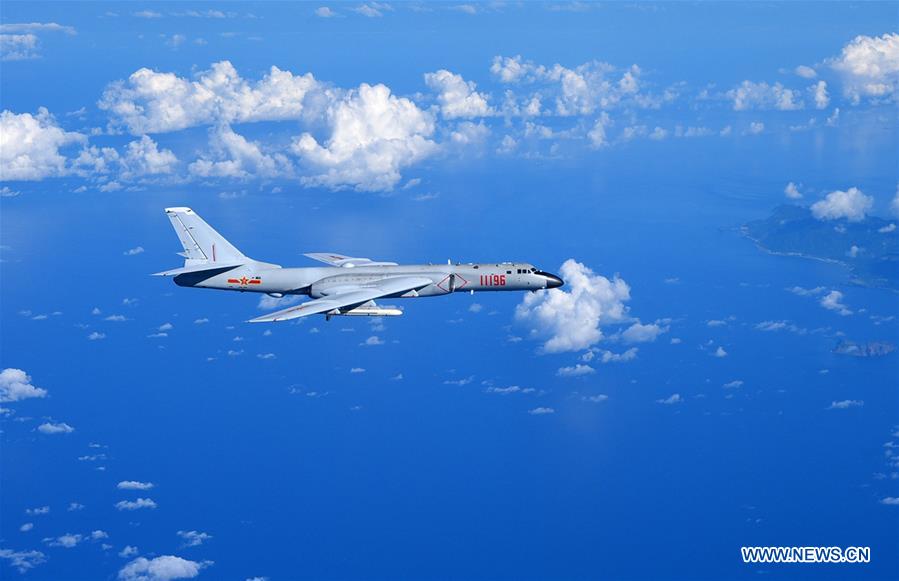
{"points": [[348, 286]]}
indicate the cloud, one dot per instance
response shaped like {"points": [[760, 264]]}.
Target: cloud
{"points": [[509, 390], [134, 485], [541, 411], [511, 69], [805, 72], [575, 371], [373, 340], [596, 398], [846, 404], [733, 384], [135, 504], [155, 102], [581, 90], [233, 156], [457, 97], [894, 204], [357, 370], [832, 301], [67, 541], [869, 67], [720, 352], [19, 47], [96, 336], [143, 157], [15, 385], [610, 357], [851, 204], [30, 144], [20, 41], [671, 400], [51, 428], [756, 127], [128, 551], [819, 95], [572, 319], [134, 251], [372, 9], [890, 501], [792, 191], [806, 292], [640, 333], [468, 133], [597, 135], [373, 135], [193, 538], [22, 561], [163, 568], [36, 27], [749, 95], [38, 510], [459, 382], [325, 12], [147, 14], [769, 326]]}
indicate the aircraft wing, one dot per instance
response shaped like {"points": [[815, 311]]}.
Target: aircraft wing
{"points": [[349, 297], [335, 259]]}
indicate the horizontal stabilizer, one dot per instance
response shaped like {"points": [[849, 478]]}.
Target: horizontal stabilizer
{"points": [[199, 268]]}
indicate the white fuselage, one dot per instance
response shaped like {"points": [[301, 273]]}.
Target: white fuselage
{"points": [[318, 282]]}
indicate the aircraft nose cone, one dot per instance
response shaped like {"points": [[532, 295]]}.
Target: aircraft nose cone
{"points": [[553, 281]]}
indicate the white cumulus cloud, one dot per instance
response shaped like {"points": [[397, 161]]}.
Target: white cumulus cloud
{"points": [[640, 333], [135, 504], [134, 485], [15, 385], [792, 191], [194, 538], [571, 319], [749, 95], [458, 98], [30, 144], [374, 135], [869, 67], [819, 95], [55, 428], [233, 156], [833, 301], [163, 568], [154, 102], [575, 371], [852, 205]]}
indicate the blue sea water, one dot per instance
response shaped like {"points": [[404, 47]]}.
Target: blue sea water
{"points": [[301, 469]]}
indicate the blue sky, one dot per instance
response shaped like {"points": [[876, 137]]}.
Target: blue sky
{"points": [[682, 396]]}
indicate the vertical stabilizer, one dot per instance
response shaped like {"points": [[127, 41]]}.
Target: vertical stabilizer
{"points": [[202, 244]]}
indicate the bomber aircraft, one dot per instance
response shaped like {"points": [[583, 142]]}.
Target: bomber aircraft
{"points": [[347, 286]]}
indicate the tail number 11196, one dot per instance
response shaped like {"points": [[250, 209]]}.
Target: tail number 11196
{"points": [[493, 280]]}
